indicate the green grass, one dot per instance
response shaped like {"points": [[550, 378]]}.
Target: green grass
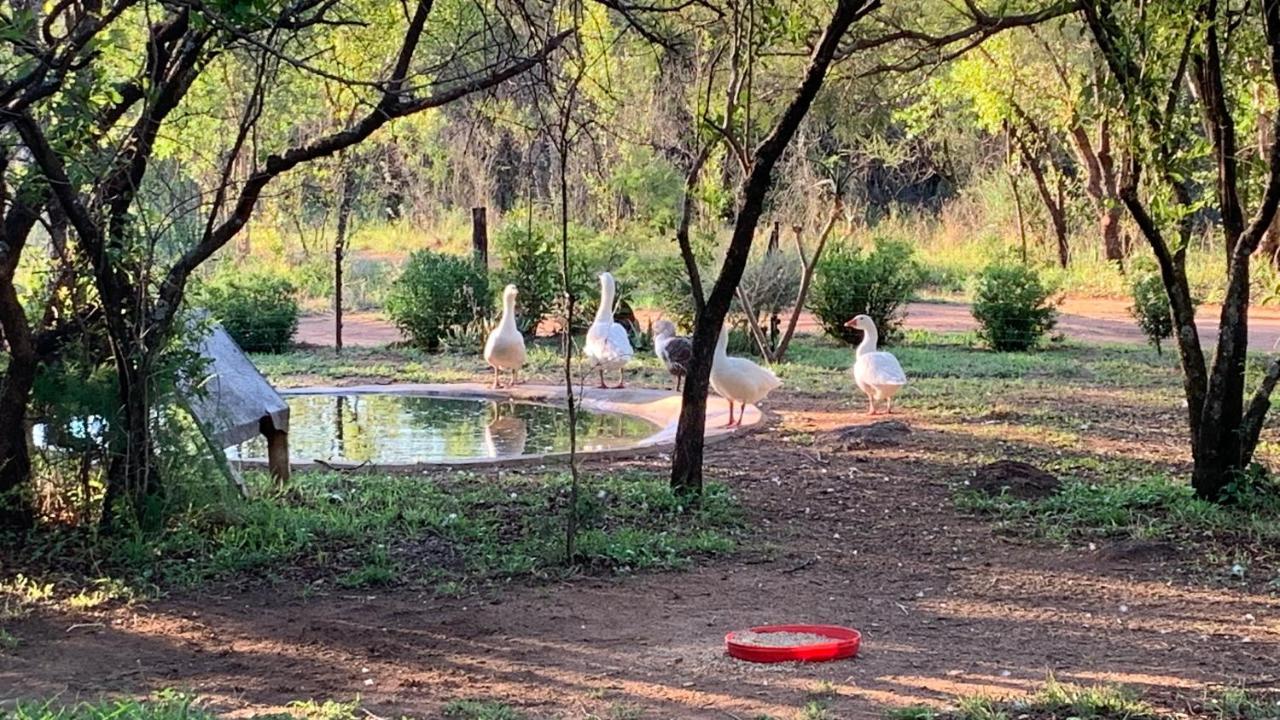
{"points": [[955, 379], [816, 710], [452, 531], [1240, 704], [8, 641], [408, 365], [1060, 701], [911, 713], [480, 710], [1154, 507], [167, 705], [174, 705], [326, 710]]}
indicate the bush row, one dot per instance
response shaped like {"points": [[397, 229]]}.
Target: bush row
{"points": [[440, 298]]}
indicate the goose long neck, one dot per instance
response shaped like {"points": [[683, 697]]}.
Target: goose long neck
{"points": [[869, 339], [604, 313], [722, 343], [508, 310]]}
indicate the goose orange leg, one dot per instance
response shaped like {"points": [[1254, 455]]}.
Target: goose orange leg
{"points": [[730, 423], [602, 384]]}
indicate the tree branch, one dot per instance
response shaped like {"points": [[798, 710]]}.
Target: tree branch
{"points": [[390, 108]]}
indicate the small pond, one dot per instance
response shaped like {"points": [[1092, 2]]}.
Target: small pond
{"points": [[388, 429]]}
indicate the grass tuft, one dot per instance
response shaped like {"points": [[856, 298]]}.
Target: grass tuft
{"points": [[480, 710], [165, 705], [1060, 701]]}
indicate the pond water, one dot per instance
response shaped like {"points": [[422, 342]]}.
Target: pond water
{"points": [[388, 429]]}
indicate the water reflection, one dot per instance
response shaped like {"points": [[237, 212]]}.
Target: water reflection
{"points": [[507, 433], [396, 429]]}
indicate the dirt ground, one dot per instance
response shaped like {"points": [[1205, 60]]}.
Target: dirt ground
{"points": [[866, 538], [1097, 320]]}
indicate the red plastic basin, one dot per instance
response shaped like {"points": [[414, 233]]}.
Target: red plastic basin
{"points": [[844, 644]]}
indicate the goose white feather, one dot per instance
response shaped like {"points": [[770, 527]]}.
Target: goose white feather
{"points": [[739, 380], [877, 373], [608, 346], [504, 350]]}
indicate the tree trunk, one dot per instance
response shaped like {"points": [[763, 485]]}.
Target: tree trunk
{"points": [[1052, 205], [345, 205], [686, 462], [131, 475], [1113, 243], [1101, 186], [1022, 223], [1218, 455], [15, 397], [1270, 247], [480, 236]]}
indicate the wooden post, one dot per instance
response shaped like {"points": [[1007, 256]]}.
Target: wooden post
{"points": [[480, 236], [277, 451]]}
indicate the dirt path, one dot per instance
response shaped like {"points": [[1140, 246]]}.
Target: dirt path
{"points": [[866, 538], [1085, 320]]}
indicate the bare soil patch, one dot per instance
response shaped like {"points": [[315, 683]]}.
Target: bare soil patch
{"points": [[866, 538]]}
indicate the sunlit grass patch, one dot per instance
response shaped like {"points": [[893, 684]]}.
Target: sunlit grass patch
{"points": [[1061, 701], [19, 594], [1152, 507], [480, 710], [165, 705]]}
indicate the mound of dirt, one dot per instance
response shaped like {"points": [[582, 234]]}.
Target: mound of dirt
{"points": [[1016, 479], [883, 433]]}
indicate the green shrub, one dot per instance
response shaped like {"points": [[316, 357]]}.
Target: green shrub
{"points": [[438, 296], [850, 281], [667, 282], [1012, 306], [258, 310], [530, 262], [1151, 305]]}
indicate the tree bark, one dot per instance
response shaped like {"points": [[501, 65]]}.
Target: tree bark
{"points": [[131, 475], [15, 397], [1052, 205], [686, 464], [480, 236], [1270, 247], [1102, 186], [345, 205], [18, 378]]}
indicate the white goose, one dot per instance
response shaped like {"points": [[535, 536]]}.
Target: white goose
{"points": [[608, 346], [738, 379], [504, 350], [877, 374]]}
